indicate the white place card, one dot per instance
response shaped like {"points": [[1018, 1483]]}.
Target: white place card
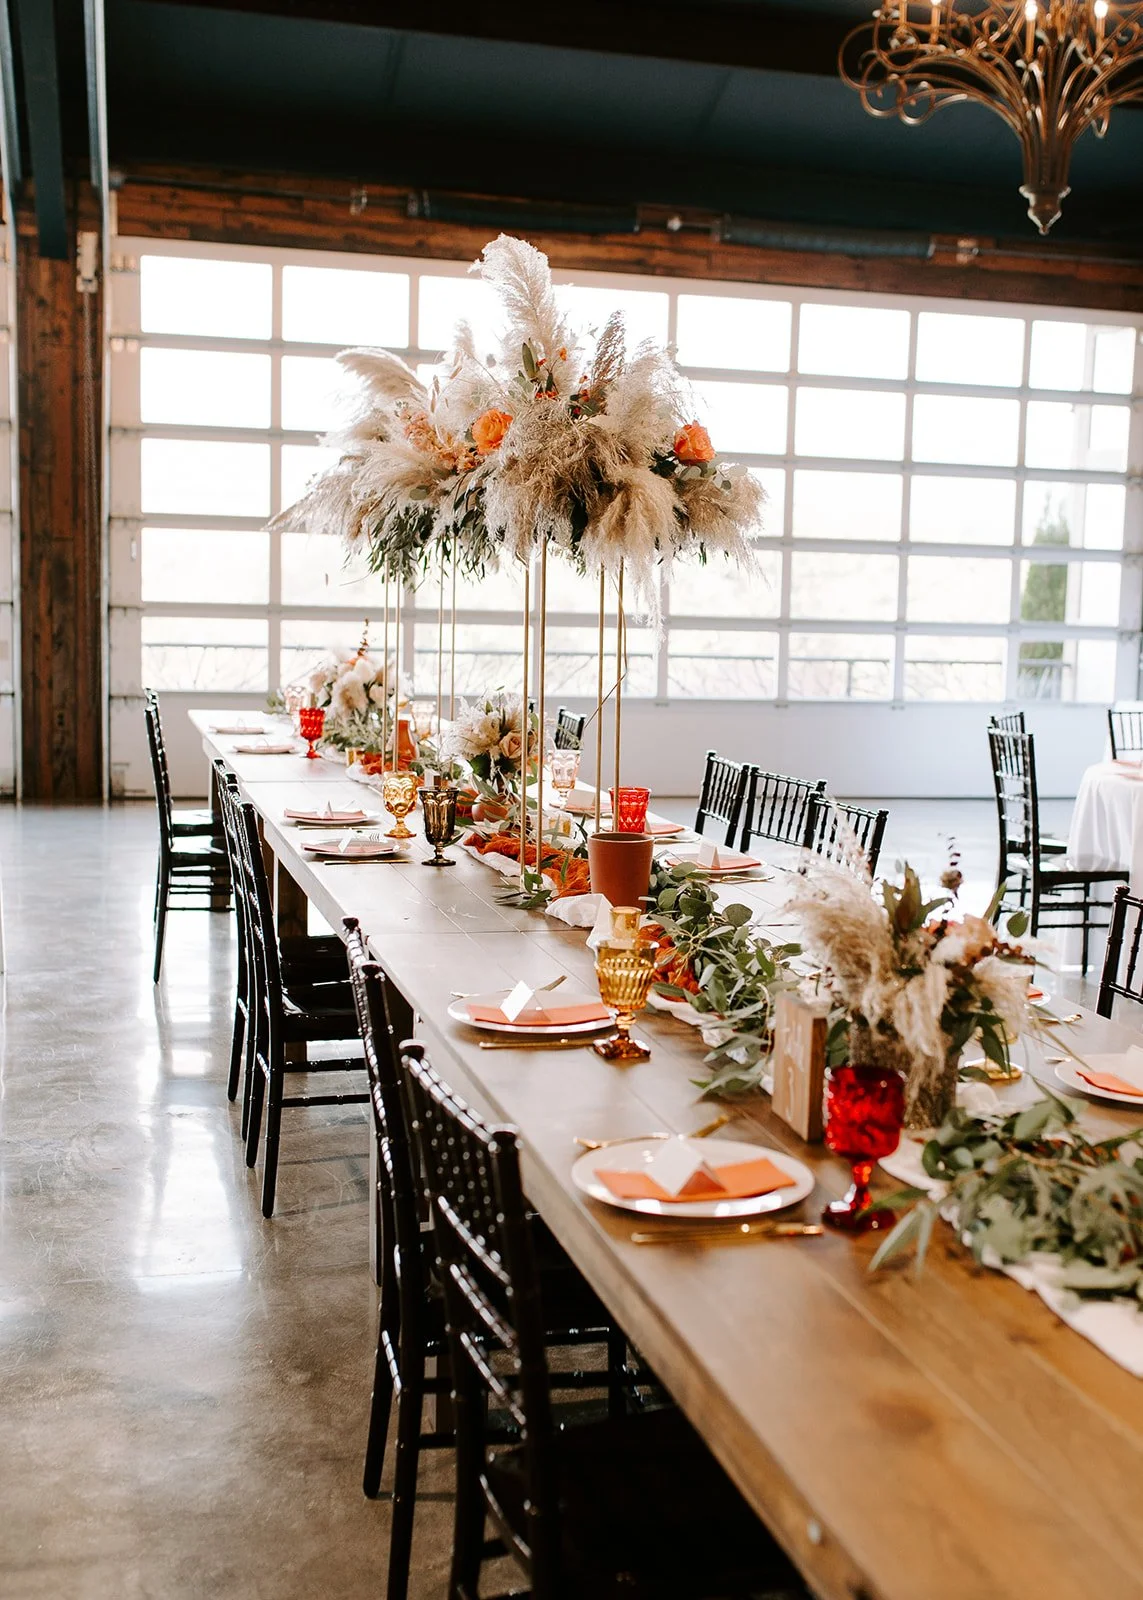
{"points": [[708, 855], [601, 927], [518, 1001]]}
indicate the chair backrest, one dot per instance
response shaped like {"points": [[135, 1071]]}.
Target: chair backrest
{"points": [[569, 730], [265, 956], [159, 772], [226, 788], [484, 1240], [1017, 802], [1126, 732], [778, 807], [1010, 722], [722, 794], [403, 1259], [849, 835], [1121, 968]]}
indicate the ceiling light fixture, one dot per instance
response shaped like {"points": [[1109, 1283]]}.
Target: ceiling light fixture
{"points": [[1050, 68]]}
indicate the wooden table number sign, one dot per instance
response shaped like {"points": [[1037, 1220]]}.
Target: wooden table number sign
{"points": [[799, 1063]]}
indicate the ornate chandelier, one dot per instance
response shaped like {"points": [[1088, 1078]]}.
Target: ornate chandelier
{"points": [[1050, 68]]}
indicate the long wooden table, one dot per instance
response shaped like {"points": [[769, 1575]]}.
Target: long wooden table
{"points": [[941, 1439]]}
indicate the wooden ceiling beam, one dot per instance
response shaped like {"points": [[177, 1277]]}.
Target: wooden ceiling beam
{"points": [[765, 37]]}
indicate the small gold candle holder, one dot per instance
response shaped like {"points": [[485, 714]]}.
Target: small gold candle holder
{"points": [[625, 925], [399, 792], [439, 808], [625, 974]]}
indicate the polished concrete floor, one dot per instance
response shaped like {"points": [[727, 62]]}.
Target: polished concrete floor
{"points": [[183, 1385]]}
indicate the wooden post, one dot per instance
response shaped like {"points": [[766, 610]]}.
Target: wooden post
{"points": [[60, 361]]}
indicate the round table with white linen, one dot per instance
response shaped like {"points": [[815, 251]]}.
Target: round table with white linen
{"points": [[1107, 822]]}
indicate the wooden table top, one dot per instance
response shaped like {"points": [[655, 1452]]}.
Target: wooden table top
{"points": [[941, 1439]]}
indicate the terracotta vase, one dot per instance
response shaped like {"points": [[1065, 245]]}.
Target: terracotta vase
{"points": [[620, 866]]}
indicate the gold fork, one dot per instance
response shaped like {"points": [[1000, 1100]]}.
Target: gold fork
{"points": [[700, 1133]]}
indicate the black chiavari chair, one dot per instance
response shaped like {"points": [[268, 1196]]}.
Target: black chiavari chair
{"points": [[569, 730], [1125, 729], [631, 1505], [778, 807], [1122, 973], [1055, 893], [192, 872], [722, 794], [286, 1021], [849, 835], [1008, 722]]}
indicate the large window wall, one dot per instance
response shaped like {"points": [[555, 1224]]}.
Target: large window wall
{"points": [[950, 516]]}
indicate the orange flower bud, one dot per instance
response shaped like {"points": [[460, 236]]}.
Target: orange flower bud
{"points": [[489, 429], [693, 446]]}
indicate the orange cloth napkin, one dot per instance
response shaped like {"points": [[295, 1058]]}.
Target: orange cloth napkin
{"points": [[663, 829], [552, 1017], [1109, 1082], [332, 817], [740, 1181]]}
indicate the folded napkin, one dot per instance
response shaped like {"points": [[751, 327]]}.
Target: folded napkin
{"points": [[678, 1173], [265, 749], [717, 859], [1115, 1074], [235, 727], [543, 1017], [664, 830], [334, 818]]}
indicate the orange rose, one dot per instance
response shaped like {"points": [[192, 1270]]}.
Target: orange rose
{"points": [[488, 430], [693, 446]]}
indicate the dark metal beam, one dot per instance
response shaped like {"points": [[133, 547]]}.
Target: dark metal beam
{"points": [[768, 37], [37, 35], [9, 124], [95, 55]]}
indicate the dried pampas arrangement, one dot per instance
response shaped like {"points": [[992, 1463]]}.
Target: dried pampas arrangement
{"points": [[594, 455]]}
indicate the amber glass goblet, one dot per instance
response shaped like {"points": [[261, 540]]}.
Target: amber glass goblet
{"points": [[865, 1111], [399, 792], [439, 808], [311, 725], [625, 974]]}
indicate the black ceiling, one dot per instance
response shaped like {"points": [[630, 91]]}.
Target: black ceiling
{"points": [[730, 106]]}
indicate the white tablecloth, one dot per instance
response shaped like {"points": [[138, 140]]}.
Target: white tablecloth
{"points": [[1107, 823]]}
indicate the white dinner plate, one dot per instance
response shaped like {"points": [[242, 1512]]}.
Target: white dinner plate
{"points": [[266, 749], [721, 1152], [458, 1011], [370, 820], [757, 870], [1070, 1078], [360, 849]]}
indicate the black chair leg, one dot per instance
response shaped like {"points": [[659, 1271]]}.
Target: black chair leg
{"points": [[275, 1089], [160, 931], [410, 1404], [380, 1408], [468, 1509], [237, 1051], [254, 1113], [616, 1363]]}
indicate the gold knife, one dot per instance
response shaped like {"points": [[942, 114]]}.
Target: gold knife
{"points": [[724, 1233], [517, 1043]]}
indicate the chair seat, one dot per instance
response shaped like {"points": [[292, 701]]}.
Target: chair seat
{"points": [[184, 861], [647, 1511], [1061, 871], [1053, 847], [322, 1012], [188, 823], [315, 959]]}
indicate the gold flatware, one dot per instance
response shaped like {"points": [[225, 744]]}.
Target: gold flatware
{"points": [[517, 1043], [700, 1133], [1052, 1021], [723, 1233], [471, 994]]}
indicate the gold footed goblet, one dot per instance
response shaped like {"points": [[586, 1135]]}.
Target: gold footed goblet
{"points": [[399, 792], [439, 808], [625, 974]]}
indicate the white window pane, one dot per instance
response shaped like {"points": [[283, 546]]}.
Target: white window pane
{"points": [[853, 341], [316, 393], [1114, 366], [744, 416], [1078, 514], [568, 590], [952, 348], [446, 301], [848, 588], [316, 570], [212, 388], [962, 510], [847, 505], [1067, 669], [1060, 434], [204, 653], [861, 424], [954, 668], [721, 590], [304, 645], [205, 478], [183, 294], [573, 661], [300, 464], [958, 589], [722, 666], [717, 330], [206, 564], [332, 305], [840, 666], [588, 308], [1071, 591], [981, 433]]}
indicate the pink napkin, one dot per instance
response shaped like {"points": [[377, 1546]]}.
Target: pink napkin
{"points": [[332, 817], [541, 1017], [741, 1180]]}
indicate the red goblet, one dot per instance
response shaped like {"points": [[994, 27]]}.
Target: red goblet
{"points": [[865, 1111], [629, 809], [311, 724]]}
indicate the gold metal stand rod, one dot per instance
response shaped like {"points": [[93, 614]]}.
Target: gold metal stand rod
{"points": [[524, 721], [620, 641], [440, 650], [385, 658], [541, 685], [599, 703], [397, 674], [452, 660]]}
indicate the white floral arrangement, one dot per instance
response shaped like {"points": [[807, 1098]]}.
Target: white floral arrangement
{"points": [[489, 737], [354, 692]]}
